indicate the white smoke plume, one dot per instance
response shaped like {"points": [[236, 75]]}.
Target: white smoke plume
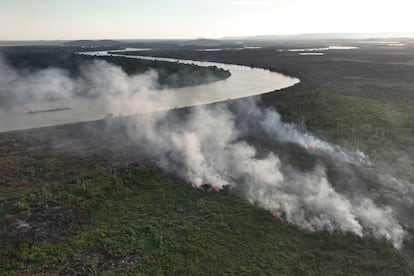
{"points": [[97, 79], [208, 147], [34, 86], [99, 89], [212, 144]]}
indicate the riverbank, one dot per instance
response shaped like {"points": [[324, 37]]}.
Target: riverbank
{"points": [[111, 91]]}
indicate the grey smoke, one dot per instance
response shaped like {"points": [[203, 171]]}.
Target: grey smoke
{"points": [[208, 147], [96, 79], [213, 144], [50, 84]]}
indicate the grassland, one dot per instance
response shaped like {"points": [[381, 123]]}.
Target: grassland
{"points": [[135, 219]]}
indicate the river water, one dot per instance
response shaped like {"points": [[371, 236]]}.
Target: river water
{"points": [[243, 82]]}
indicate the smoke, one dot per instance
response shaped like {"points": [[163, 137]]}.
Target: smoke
{"points": [[239, 145], [210, 146], [97, 79], [20, 87], [101, 78]]}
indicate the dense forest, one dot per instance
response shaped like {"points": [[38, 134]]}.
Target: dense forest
{"points": [[170, 74]]}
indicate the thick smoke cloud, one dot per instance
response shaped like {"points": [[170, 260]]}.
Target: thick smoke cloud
{"points": [[209, 146], [336, 189]]}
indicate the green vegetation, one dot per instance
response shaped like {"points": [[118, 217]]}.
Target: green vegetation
{"points": [[90, 212], [362, 123], [382, 129], [170, 74], [368, 107], [360, 99], [87, 215], [142, 221]]}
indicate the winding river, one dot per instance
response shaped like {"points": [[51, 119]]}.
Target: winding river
{"points": [[243, 82]]}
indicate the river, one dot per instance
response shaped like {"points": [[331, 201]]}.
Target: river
{"points": [[243, 82]]}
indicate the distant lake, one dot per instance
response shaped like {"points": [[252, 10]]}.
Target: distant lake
{"points": [[331, 47]]}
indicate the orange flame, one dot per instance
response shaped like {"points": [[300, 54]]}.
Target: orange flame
{"points": [[276, 214], [217, 190], [311, 146]]}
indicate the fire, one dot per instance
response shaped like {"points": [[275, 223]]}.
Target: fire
{"points": [[217, 190], [276, 215], [311, 145]]}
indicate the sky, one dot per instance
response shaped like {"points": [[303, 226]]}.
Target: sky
{"points": [[186, 19]]}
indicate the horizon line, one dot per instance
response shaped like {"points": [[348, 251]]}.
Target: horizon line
{"points": [[383, 34]]}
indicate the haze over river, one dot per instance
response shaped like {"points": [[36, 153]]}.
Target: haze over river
{"points": [[243, 82]]}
